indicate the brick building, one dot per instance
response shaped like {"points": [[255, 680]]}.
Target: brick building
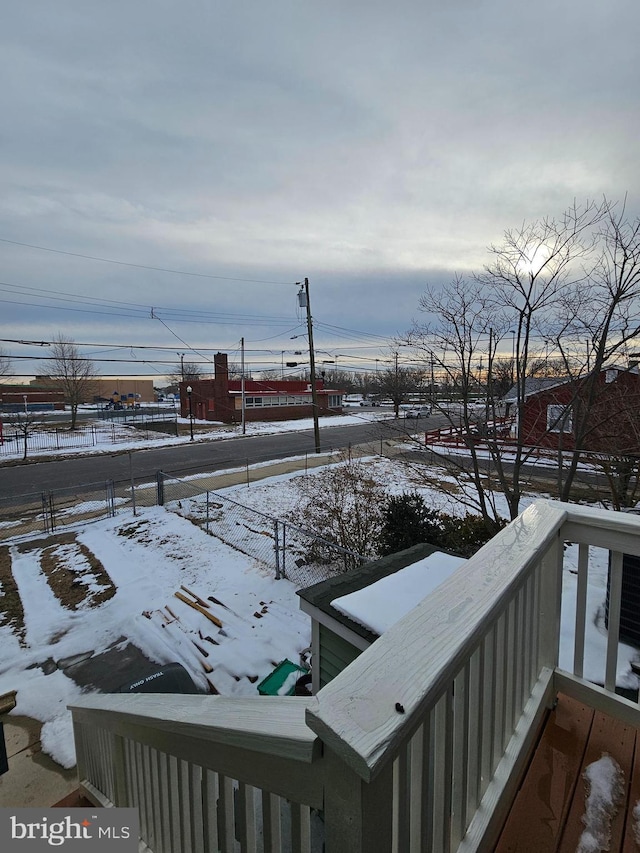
{"points": [[15, 398], [220, 398]]}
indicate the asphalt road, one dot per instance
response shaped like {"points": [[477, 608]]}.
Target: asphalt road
{"points": [[192, 458]]}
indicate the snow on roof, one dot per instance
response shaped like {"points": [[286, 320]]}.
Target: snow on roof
{"points": [[381, 604]]}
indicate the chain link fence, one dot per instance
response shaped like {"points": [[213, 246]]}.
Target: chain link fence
{"points": [[289, 551], [285, 548], [45, 512]]}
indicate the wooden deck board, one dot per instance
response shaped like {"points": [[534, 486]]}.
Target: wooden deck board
{"points": [[618, 740], [537, 817], [546, 816]]}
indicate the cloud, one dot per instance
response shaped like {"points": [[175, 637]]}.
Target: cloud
{"points": [[359, 143]]}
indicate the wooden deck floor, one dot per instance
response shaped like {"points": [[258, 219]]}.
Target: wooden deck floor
{"points": [[546, 816]]}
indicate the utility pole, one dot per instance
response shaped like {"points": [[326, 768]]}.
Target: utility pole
{"points": [[305, 302], [432, 382], [488, 389], [243, 399], [181, 354], [396, 389]]}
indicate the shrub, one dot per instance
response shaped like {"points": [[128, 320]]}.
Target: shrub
{"points": [[407, 521], [343, 505]]}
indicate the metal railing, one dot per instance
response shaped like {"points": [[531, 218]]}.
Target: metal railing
{"points": [[415, 747], [39, 440]]}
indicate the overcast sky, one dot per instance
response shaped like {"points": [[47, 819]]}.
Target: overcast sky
{"points": [[374, 147]]}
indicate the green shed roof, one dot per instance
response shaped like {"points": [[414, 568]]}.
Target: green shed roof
{"points": [[321, 594]]}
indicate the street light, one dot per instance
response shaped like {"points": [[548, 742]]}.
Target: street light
{"points": [[189, 392]]}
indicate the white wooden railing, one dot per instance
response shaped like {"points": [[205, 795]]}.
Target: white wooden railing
{"points": [[417, 746]]}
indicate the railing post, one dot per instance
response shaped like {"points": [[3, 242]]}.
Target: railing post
{"points": [[550, 598], [357, 815], [119, 773]]}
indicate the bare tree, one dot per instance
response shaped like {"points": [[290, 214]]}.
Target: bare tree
{"points": [[397, 382], [186, 371], [24, 423], [460, 341], [5, 363], [554, 286], [73, 374], [603, 313]]}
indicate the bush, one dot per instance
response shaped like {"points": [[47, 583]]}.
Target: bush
{"points": [[343, 505], [407, 521], [468, 534]]}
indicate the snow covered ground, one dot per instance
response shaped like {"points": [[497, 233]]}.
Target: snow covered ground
{"points": [[127, 571]]}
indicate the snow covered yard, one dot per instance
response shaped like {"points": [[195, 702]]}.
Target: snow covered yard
{"points": [[114, 581], [128, 570]]}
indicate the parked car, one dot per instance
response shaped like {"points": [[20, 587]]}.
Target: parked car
{"points": [[418, 412]]}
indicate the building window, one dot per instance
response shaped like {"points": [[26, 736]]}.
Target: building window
{"points": [[559, 419], [335, 401], [263, 402]]}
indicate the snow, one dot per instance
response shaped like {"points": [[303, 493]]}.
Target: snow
{"points": [[289, 683], [382, 603], [150, 556], [636, 822], [605, 784]]}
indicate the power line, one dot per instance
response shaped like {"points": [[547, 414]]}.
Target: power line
{"points": [[137, 309], [145, 266]]}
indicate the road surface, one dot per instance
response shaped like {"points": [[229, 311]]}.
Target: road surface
{"points": [[193, 458]]}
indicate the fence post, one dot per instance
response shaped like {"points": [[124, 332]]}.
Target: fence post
{"points": [[276, 545], [45, 513], [207, 521], [111, 503], [283, 570], [247, 467], [52, 512], [160, 488]]}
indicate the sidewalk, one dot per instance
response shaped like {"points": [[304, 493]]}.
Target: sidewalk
{"points": [[33, 778]]}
